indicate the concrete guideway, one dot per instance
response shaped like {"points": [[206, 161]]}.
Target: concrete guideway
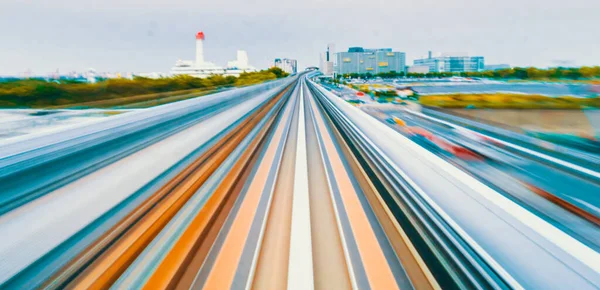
{"points": [[287, 187], [561, 197], [300, 273], [526, 238]]}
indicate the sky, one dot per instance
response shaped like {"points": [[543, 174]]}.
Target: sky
{"points": [[151, 35]]}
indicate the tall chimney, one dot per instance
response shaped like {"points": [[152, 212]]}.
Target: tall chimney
{"points": [[199, 47]]}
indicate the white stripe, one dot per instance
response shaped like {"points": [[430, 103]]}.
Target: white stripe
{"points": [[570, 245], [335, 205], [290, 107], [300, 268], [517, 147]]}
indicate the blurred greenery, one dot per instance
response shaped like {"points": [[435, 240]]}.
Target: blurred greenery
{"points": [[36, 93], [557, 73], [393, 74], [508, 101], [524, 73], [386, 93]]}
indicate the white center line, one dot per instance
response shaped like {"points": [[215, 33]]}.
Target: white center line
{"points": [[300, 269]]}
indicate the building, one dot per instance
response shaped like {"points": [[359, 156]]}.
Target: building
{"points": [[325, 65], [374, 61], [327, 60], [241, 62], [419, 69], [287, 65], [199, 67], [331, 62], [330, 51], [202, 69], [451, 63], [240, 65], [496, 66]]}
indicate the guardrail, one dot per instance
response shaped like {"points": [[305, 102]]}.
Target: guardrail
{"points": [[572, 160], [486, 237], [59, 158]]}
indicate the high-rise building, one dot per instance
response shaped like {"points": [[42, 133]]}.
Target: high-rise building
{"points": [[323, 62], [332, 59], [373, 61], [327, 60], [452, 63], [330, 51], [287, 65]]}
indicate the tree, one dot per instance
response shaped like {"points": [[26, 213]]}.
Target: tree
{"points": [[586, 72], [520, 73], [278, 72]]}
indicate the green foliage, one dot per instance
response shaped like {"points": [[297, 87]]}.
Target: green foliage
{"points": [[508, 101], [430, 75], [246, 79], [391, 74], [387, 93], [533, 73], [41, 93], [522, 73], [278, 72]]}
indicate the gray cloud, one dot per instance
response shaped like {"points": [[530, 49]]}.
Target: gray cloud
{"points": [[150, 35]]}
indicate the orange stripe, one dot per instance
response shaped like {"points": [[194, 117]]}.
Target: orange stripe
{"points": [[223, 271], [173, 265], [563, 203], [106, 269], [111, 235], [111, 265], [376, 266], [409, 257]]}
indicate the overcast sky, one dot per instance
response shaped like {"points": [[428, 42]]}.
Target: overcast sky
{"points": [[150, 35]]}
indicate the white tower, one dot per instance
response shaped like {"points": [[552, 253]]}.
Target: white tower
{"points": [[242, 58], [200, 47]]}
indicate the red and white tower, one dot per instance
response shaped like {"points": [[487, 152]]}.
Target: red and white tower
{"points": [[199, 47]]}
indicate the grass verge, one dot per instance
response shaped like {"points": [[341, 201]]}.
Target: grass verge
{"points": [[508, 101]]}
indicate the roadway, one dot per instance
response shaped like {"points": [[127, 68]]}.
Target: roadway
{"points": [[281, 185], [562, 197]]}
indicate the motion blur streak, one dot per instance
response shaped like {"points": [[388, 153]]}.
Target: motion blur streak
{"points": [[286, 185]]}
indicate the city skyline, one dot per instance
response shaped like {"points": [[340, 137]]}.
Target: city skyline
{"points": [[128, 36]]}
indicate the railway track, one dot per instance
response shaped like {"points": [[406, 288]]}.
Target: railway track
{"points": [[560, 196], [453, 219], [289, 194]]}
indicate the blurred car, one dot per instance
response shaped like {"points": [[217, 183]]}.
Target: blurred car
{"points": [[399, 102], [356, 101], [441, 144]]}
